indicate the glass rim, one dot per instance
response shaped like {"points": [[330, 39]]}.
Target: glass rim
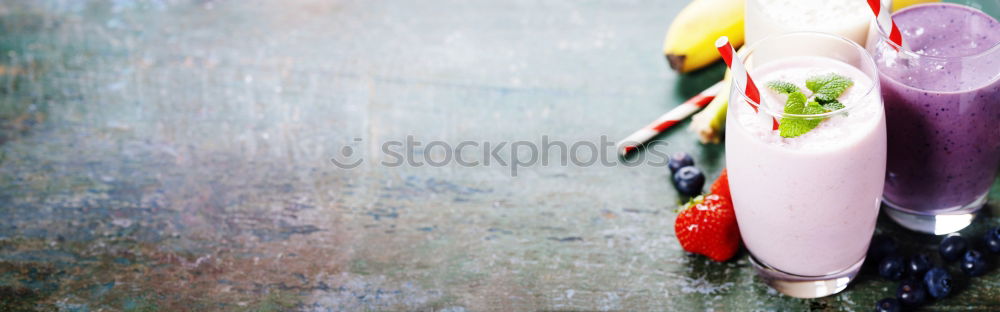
{"points": [[884, 37], [865, 57]]}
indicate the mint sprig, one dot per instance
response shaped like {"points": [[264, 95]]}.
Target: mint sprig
{"points": [[833, 105], [826, 90], [796, 103], [793, 127], [783, 87]]}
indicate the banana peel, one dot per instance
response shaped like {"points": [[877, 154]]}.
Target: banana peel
{"points": [[709, 125], [690, 41], [900, 4]]}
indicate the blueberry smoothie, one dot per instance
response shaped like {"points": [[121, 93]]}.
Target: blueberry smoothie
{"points": [[942, 102]]}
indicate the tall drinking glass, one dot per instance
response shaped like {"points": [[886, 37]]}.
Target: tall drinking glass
{"points": [[942, 100], [807, 205], [848, 18]]}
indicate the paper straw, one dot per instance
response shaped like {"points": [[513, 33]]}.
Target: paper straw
{"points": [[671, 118], [883, 18], [740, 75]]}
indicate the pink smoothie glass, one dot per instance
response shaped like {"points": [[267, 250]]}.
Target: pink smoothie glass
{"points": [[807, 206]]}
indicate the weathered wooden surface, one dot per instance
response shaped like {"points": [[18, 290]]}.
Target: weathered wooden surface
{"points": [[174, 155]]}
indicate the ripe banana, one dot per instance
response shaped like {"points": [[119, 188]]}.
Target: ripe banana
{"points": [[690, 42]]}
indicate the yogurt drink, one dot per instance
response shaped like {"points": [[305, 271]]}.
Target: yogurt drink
{"points": [[804, 203], [848, 18], [807, 205], [942, 101]]}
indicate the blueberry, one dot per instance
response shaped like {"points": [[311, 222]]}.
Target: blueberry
{"points": [[678, 161], [887, 305], [880, 247], [952, 247], [891, 267], [993, 240], [938, 282], [689, 181], [973, 263], [911, 292], [918, 265]]}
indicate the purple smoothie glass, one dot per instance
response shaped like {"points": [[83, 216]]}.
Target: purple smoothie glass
{"points": [[942, 100]]}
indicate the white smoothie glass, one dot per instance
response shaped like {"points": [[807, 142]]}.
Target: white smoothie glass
{"points": [[848, 18], [807, 206]]}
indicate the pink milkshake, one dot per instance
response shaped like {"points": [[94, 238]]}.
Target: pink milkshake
{"points": [[807, 202]]}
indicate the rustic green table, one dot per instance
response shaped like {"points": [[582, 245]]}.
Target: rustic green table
{"points": [[183, 155]]}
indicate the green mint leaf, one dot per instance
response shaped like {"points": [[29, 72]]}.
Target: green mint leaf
{"points": [[783, 87], [813, 108], [832, 106], [793, 127], [796, 103], [826, 89], [829, 87]]}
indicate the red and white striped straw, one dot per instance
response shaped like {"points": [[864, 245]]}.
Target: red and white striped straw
{"points": [[671, 118], [883, 18], [740, 75]]}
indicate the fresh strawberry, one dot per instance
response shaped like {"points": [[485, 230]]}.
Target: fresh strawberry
{"points": [[721, 185], [707, 226]]}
